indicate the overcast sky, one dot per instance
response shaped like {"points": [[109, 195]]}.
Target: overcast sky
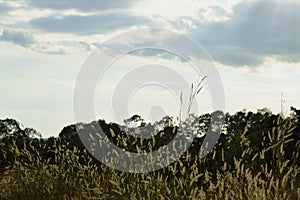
{"points": [[254, 45]]}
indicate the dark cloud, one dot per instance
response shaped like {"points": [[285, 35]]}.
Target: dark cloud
{"points": [[17, 37], [89, 5], [254, 30], [91, 24]]}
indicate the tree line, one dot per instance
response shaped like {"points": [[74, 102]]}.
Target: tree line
{"points": [[251, 130]]}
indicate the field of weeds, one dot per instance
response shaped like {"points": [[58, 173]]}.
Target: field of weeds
{"points": [[247, 163]]}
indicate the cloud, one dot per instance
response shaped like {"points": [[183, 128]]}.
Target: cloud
{"points": [[4, 8], [90, 24], [17, 37], [157, 53], [62, 47], [245, 35], [255, 29], [89, 5], [219, 10]]}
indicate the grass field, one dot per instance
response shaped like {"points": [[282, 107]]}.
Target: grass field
{"points": [[37, 170]]}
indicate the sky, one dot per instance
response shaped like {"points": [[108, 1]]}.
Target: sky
{"points": [[254, 45]]}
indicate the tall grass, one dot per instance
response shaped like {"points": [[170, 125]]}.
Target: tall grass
{"points": [[72, 174]]}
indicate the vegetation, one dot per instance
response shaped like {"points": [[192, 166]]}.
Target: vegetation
{"points": [[257, 157]]}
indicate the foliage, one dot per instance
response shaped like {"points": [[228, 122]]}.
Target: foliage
{"points": [[257, 157], [12, 128]]}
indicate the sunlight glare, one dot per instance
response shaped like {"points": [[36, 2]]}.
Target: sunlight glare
{"points": [[167, 8]]}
